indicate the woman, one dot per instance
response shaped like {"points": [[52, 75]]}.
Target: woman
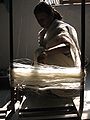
{"points": [[58, 43]]}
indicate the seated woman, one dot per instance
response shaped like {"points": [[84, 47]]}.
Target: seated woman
{"points": [[58, 43]]}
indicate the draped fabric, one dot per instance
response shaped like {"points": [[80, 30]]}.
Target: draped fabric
{"points": [[57, 31]]}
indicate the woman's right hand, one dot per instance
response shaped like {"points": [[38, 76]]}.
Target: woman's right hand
{"points": [[42, 58]]}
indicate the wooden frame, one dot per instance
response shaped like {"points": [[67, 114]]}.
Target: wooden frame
{"points": [[47, 111]]}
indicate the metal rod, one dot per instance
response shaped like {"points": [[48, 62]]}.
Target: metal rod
{"points": [[83, 34], [82, 55], [11, 52], [11, 32]]}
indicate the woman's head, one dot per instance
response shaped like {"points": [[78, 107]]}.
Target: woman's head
{"points": [[45, 14]]}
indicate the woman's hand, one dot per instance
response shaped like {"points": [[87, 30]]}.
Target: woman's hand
{"points": [[42, 58]]}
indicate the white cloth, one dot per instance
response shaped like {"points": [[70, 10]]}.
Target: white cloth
{"points": [[58, 30]]}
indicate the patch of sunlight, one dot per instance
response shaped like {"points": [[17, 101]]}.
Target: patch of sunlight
{"points": [[86, 110]]}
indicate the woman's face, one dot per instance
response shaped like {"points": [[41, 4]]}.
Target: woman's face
{"points": [[44, 19]]}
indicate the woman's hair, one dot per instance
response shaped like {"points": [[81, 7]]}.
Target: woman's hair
{"points": [[44, 7]]}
